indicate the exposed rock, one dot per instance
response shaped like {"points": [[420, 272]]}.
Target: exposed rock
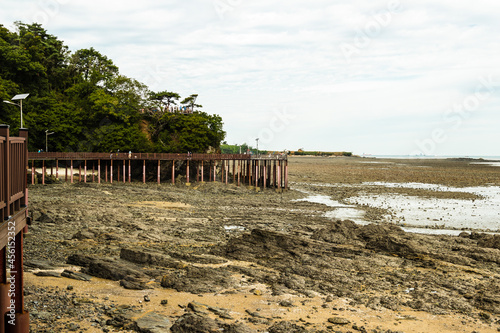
{"points": [[84, 234], [75, 275], [492, 242], [194, 323], [45, 218], [338, 232], [134, 285], [198, 307], [48, 273], [40, 264], [153, 322], [238, 328], [198, 280], [402, 246], [105, 268], [286, 303], [286, 327], [145, 257], [338, 321]]}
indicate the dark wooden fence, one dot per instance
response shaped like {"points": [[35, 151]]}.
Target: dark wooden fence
{"points": [[14, 214], [261, 171]]}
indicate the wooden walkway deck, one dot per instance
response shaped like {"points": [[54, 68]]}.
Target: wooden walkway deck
{"points": [[259, 171]]}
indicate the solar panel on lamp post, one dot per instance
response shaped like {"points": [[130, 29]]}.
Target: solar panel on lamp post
{"points": [[19, 98]]}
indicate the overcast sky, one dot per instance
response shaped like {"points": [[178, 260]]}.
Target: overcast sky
{"points": [[372, 77]]}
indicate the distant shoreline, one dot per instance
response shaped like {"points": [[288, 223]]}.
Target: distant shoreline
{"points": [[443, 157]]}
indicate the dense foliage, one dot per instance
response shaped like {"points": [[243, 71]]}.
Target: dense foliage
{"points": [[236, 149], [88, 104], [320, 153]]}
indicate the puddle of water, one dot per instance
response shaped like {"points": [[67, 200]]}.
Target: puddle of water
{"points": [[341, 211], [325, 200], [353, 214], [444, 216], [234, 228], [497, 164], [433, 231], [483, 214]]}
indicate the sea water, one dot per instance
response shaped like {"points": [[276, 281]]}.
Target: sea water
{"points": [[421, 214]]}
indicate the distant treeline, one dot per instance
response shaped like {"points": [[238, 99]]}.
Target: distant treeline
{"points": [[82, 97], [320, 153]]}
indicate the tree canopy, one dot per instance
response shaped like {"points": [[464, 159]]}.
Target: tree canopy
{"points": [[88, 104]]}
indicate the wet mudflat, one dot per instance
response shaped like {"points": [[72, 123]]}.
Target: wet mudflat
{"points": [[217, 258]]}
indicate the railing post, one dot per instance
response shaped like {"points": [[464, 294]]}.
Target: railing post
{"points": [[173, 171], [286, 174], [159, 165], [264, 174], [202, 171], [234, 171], [239, 172], [226, 169], [129, 172], [215, 170], [279, 174], [198, 169], [43, 172], [4, 131], [33, 172]]}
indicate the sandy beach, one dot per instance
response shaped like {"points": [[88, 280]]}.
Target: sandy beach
{"points": [[356, 245]]}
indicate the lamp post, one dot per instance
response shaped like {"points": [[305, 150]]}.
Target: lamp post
{"points": [[20, 98], [47, 140], [257, 140]]}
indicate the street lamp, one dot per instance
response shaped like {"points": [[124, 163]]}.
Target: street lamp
{"points": [[257, 145], [20, 98], [47, 140]]}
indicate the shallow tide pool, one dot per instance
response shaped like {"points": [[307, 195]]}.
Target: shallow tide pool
{"points": [[420, 214]]}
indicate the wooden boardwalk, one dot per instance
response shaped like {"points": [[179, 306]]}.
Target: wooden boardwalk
{"points": [[14, 217], [259, 171]]}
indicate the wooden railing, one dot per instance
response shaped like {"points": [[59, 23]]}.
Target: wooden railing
{"points": [[13, 224], [147, 156], [13, 162]]}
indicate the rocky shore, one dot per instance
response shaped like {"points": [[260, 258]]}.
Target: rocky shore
{"points": [[220, 258]]}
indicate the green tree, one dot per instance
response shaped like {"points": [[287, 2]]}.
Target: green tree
{"points": [[92, 66], [166, 98], [197, 133], [89, 106], [191, 102]]}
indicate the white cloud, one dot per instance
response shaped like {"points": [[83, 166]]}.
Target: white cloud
{"points": [[411, 61]]}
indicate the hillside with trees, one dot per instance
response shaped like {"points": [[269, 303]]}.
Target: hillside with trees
{"points": [[82, 97]]}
